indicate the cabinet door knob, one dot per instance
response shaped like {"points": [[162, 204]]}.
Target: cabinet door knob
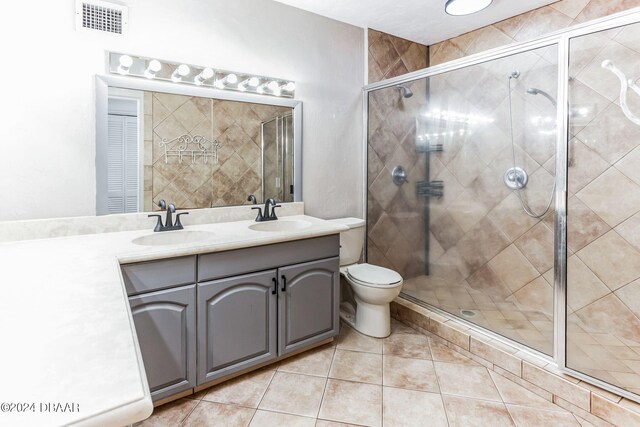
{"points": [[284, 283], [275, 286]]}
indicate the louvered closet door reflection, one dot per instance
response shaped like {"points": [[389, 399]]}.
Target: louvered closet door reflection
{"points": [[122, 164]]}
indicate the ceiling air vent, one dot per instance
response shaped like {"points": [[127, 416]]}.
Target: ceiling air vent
{"points": [[101, 16]]}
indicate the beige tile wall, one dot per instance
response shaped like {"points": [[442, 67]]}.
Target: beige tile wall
{"points": [[394, 212], [527, 26], [391, 56], [236, 125]]}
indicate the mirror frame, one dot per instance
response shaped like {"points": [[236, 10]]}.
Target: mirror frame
{"points": [[104, 82]]}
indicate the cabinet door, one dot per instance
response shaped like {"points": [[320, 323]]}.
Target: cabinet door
{"points": [[308, 303], [165, 324], [236, 324]]}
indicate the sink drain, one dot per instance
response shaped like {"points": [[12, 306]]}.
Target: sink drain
{"points": [[468, 313]]}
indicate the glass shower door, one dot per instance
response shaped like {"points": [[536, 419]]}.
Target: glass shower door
{"points": [[603, 278], [485, 138]]}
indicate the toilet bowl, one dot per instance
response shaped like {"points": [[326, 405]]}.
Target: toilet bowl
{"points": [[374, 287]]}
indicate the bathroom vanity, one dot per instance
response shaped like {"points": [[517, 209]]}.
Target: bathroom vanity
{"points": [[116, 321], [205, 317]]}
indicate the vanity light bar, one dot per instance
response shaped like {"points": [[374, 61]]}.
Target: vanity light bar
{"points": [[179, 73]]}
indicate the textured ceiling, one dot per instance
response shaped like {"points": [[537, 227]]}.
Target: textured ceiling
{"points": [[422, 21]]}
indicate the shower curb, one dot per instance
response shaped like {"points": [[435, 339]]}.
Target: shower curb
{"points": [[599, 407]]}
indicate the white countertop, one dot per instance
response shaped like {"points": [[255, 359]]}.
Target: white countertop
{"points": [[67, 331]]}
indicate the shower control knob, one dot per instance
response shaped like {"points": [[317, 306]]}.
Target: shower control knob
{"points": [[399, 175]]}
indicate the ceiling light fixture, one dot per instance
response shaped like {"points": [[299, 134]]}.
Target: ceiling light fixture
{"points": [[465, 7]]}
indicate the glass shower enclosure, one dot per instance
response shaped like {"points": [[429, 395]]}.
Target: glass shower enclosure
{"points": [[505, 190], [277, 158]]}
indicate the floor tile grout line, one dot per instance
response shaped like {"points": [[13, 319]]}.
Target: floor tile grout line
{"points": [[264, 393], [504, 403], [285, 413], [435, 372], [326, 383], [184, 420]]}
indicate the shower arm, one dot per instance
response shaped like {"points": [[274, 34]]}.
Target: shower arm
{"points": [[624, 84]]}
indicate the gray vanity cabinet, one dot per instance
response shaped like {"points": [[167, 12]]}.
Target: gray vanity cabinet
{"points": [[308, 309], [202, 318], [165, 325], [237, 320]]}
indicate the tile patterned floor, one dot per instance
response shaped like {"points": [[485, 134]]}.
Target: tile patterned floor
{"points": [[406, 379], [601, 352], [498, 313]]}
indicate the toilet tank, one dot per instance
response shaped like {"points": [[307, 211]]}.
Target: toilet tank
{"points": [[351, 241]]}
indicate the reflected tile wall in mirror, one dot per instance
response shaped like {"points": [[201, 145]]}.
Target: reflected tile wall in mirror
{"points": [[238, 171]]}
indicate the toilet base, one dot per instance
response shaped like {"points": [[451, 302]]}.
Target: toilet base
{"points": [[373, 320]]}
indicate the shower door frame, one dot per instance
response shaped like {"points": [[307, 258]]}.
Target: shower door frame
{"points": [[561, 39]]}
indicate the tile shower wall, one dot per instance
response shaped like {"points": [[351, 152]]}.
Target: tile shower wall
{"points": [[238, 173], [527, 26], [394, 212], [391, 56]]}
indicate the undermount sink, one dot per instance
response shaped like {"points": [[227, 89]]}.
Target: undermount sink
{"points": [[172, 238], [280, 225]]}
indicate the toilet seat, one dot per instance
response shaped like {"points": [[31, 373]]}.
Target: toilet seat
{"points": [[373, 276]]}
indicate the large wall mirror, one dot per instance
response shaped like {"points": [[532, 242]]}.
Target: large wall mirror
{"points": [[191, 146]]}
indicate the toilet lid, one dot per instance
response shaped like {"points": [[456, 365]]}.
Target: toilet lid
{"points": [[373, 274]]}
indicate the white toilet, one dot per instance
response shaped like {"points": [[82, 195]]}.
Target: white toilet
{"points": [[374, 287]]}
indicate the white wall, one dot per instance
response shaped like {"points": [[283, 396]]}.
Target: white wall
{"points": [[47, 122]]}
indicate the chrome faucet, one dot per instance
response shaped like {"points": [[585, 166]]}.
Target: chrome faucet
{"points": [[168, 222], [268, 215]]}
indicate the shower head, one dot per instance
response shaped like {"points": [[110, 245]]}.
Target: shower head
{"points": [[536, 91], [405, 91]]}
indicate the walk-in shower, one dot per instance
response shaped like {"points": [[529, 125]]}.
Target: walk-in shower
{"points": [[551, 260]]}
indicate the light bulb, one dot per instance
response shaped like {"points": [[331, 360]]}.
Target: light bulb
{"points": [[273, 86], [230, 79], [125, 62], [289, 87], [180, 72], [153, 67], [204, 75], [254, 82]]}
